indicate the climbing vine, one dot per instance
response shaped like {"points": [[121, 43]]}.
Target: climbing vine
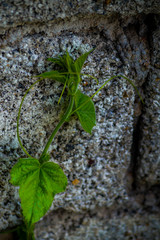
{"points": [[40, 179]]}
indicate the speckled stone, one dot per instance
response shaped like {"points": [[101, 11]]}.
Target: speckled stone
{"points": [[19, 12], [101, 225], [103, 163], [99, 161], [149, 171]]}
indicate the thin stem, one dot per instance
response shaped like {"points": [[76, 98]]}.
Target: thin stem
{"points": [[88, 75], [104, 85], [62, 91], [83, 74], [133, 86], [19, 113], [63, 119], [30, 233], [93, 94]]}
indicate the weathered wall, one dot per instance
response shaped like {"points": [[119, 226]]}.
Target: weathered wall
{"points": [[118, 165]]}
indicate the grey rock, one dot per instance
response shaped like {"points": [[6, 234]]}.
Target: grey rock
{"points": [[41, 113], [91, 226], [105, 163], [18, 12], [149, 158]]}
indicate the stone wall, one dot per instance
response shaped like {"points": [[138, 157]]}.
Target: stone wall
{"points": [[118, 166]]}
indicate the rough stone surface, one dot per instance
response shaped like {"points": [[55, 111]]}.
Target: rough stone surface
{"points": [[98, 161], [117, 166], [18, 12], [149, 172], [100, 224]]}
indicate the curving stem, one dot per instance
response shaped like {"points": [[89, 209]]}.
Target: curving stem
{"points": [[63, 119]]}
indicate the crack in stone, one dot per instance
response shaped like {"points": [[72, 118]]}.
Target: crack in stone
{"points": [[149, 195]]}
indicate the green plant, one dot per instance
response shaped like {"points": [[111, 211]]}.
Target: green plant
{"points": [[40, 179]]}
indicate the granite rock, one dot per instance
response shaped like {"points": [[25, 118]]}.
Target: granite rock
{"points": [[18, 12], [98, 225], [149, 148], [99, 161], [114, 161]]}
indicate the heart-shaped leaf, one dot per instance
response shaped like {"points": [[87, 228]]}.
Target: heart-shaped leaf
{"points": [[38, 185], [84, 107]]}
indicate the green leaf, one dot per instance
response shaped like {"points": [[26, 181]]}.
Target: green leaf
{"points": [[55, 75], [80, 61], [60, 61], [38, 185], [65, 62], [84, 107], [69, 62], [54, 60]]}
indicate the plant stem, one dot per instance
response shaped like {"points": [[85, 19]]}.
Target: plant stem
{"points": [[63, 119], [30, 236], [30, 233], [104, 85], [19, 112], [93, 94]]}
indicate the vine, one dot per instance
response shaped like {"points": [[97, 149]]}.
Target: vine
{"points": [[40, 179]]}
